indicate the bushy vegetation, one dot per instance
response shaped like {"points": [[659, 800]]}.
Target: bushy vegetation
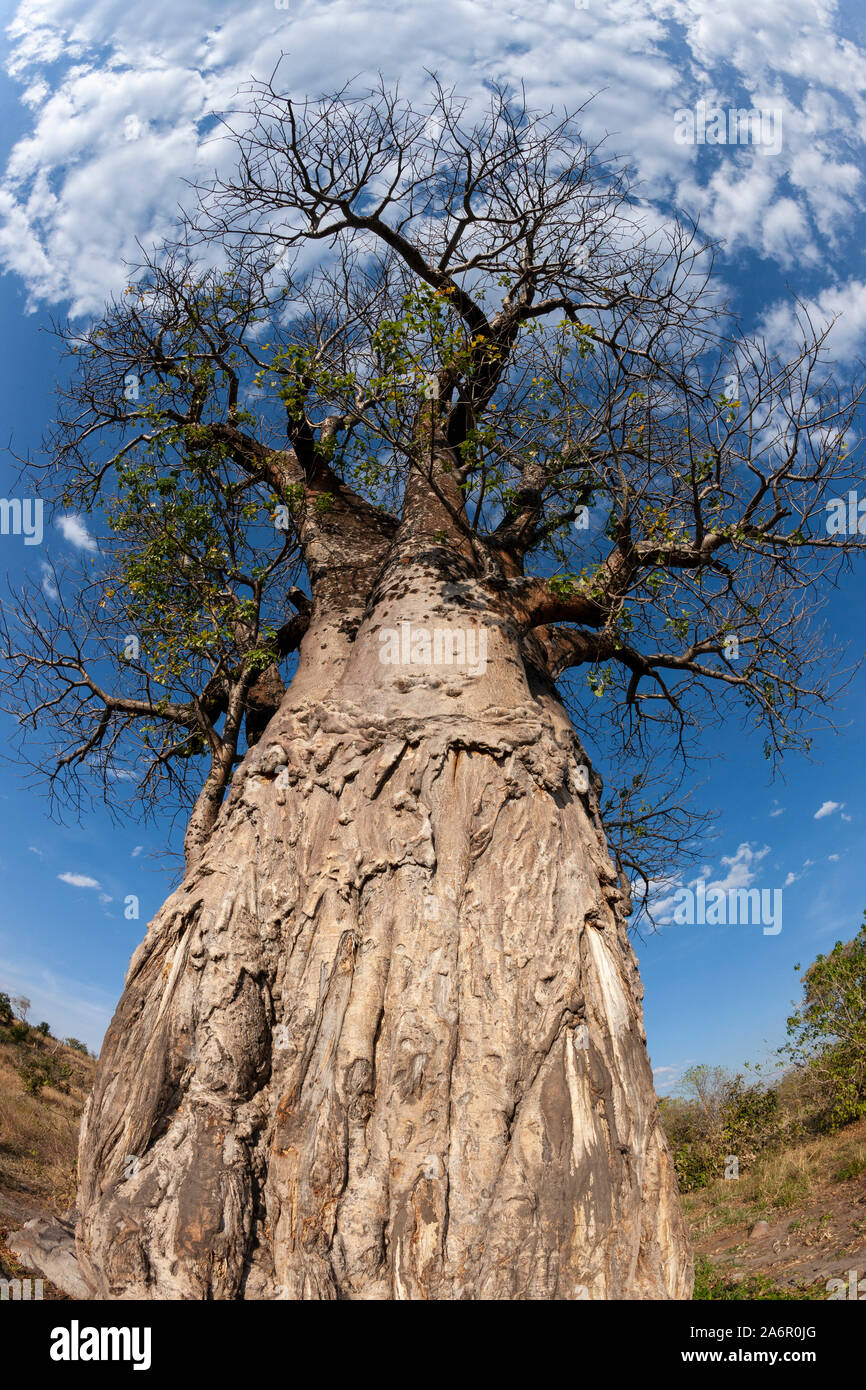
{"points": [[44, 1070], [37, 1055], [827, 1032], [719, 1118], [43, 1087]]}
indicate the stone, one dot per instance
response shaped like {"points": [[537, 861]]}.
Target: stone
{"points": [[48, 1246]]}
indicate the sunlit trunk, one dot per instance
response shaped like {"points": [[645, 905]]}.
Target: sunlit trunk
{"points": [[385, 1041]]}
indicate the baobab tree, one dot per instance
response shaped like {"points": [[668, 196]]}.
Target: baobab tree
{"points": [[385, 1039]]}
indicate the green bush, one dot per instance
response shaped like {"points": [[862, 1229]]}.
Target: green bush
{"points": [[827, 1032], [719, 1115], [36, 1072]]}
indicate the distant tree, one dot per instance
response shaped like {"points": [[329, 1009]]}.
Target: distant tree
{"points": [[77, 1045], [827, 1031], [5, 1008], [715, 1117], [21, 1004], [44, 1028], [707, 1089]]}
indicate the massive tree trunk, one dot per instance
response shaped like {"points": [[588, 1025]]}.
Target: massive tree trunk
{"points": [[385, 1041]]}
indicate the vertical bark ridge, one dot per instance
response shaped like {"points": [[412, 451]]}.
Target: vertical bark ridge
{"points": [[349, 1061]]}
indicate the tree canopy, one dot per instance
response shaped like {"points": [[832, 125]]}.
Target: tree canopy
{"points": [[467, 324]]}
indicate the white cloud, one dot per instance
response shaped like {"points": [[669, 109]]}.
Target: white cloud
{"points": [[667, 1077], [49, 586], [827, 808], [74, 530], [137, 851], [741, 867], [119, 95], [842, 305], [79, 880]]}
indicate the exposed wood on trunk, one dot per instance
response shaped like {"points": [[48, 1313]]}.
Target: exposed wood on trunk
{"points": [[386, 1041]]}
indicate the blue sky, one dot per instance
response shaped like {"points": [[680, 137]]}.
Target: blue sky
{"points": [[104, 109]]}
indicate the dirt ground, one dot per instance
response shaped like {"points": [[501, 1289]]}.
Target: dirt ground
{"points": [[813, 1198]]}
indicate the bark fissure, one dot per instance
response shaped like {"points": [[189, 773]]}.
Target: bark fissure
{"points": [[374, 981]]}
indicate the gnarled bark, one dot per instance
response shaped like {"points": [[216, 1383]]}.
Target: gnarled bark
{"points": [[385, 1040]]}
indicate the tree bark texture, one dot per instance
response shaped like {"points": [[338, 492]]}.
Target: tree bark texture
{"points": [[385, 1041]]}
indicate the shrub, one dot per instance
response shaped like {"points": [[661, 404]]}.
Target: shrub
{"points": [[720, 1115], [827, 1032], [36, 1072]]}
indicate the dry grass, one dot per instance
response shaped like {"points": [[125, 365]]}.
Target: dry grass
{"points": [[779, 1181], [813, 1196], [39, 1133]]}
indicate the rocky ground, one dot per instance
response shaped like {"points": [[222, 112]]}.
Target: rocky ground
{"points": [[784, 1229]]}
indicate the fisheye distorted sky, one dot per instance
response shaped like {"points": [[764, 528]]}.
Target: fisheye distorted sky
{"points": [[107, 111]]}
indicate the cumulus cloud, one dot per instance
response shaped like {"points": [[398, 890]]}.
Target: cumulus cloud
{"points": [[841, 308], [116, 124], [79, 880], [74, 530], [741, 867], [740, 871], [827, 808]]}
